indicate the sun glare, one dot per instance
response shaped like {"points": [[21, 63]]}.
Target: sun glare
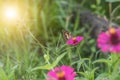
{"points": [[11, 13]]}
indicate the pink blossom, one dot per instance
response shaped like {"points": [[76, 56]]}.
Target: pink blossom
{"points": [[109, 41], [62, 73], [75, 40]]}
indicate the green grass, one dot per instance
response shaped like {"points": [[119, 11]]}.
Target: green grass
{"points": [[30, 48]]}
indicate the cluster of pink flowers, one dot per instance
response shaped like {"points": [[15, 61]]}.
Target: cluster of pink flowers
{"points": [[62, 73], [109, 41], [65, 72]]}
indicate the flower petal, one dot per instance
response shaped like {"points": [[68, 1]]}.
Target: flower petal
{"points": [[109, 42], [72, 42], [69, 73]]}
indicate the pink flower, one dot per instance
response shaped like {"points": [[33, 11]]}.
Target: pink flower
{"points": [[109, 41], [62, 73], [75, 40]]}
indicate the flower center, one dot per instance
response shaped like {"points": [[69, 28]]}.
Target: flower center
{"points": [[61, 75], [112, 31], [74, 40], [114, 38]]}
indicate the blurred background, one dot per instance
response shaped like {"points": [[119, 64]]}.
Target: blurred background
{"points": [[31, 35]]}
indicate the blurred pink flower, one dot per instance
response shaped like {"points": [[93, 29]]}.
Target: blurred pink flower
{"points": [[75, 40], [109, 41], [62, 73]]}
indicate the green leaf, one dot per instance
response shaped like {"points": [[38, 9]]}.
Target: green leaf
{"points": [[58, 59], [102, 61], [47, 66], [11, 74], [50, 66], [102, 76], [46, 56], [98, 2], [3, 75], [112, 1], [89, 74], [93, 6], [80, 78]]}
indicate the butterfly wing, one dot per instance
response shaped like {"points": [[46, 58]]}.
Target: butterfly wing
{"points": [[66, 35]]}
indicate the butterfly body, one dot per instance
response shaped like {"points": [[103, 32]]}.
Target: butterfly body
{"points": [[70, 40], [66, 35]]}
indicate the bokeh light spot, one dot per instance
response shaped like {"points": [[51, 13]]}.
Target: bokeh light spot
{"points": [[11, 13]]}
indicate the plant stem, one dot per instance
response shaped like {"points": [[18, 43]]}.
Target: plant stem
{"points": [[110, 11]]}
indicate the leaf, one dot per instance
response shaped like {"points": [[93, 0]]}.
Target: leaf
{"points": [[92, 72], [11, 74], [89, 74], [3, 75], [98, 2], [102, 61], [93, 6], [58, 59], [102, 76], [112, 1], [80, 78], [49, 66]]}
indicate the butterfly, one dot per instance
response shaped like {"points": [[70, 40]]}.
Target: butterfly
{"points": [[66, 35]]}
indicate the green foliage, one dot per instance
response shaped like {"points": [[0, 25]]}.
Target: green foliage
{"points": [[3, 76], [50, 66], [112, 1], [98, 9], [30, 48]]}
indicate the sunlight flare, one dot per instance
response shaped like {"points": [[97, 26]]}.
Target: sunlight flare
{"points": [[11, 13]]}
